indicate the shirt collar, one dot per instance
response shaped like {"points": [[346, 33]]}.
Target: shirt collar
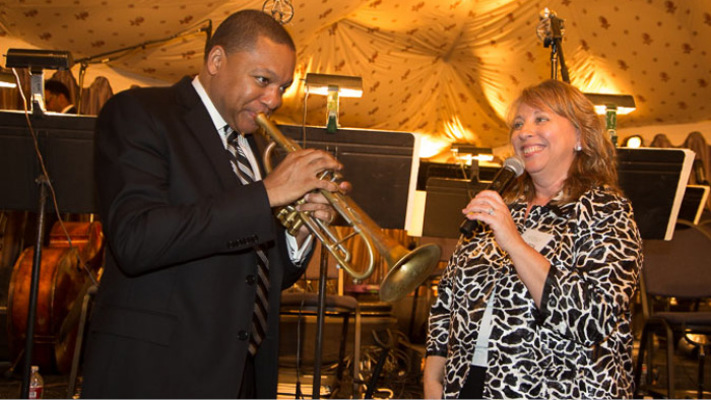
{"points": [[214, 114]]}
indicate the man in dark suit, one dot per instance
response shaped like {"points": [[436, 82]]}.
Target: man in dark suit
{"points": [[174, 314], [57, 98]]}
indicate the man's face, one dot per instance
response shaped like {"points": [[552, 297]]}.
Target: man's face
{"points": [[53, 101], [250, 82]]}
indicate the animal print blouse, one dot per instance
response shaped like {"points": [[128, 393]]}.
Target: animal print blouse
{"points": [[579, 343]]}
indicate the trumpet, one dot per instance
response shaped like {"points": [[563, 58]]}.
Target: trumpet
{"points": [[406, 269]]}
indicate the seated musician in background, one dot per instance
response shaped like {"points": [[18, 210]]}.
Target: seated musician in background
{"points": [[57, 98], [537, 303], [188, 306]]}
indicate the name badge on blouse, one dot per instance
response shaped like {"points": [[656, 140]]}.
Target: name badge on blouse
{"points": [[537, 239]]}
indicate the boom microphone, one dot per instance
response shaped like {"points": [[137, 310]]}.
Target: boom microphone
{"points": [[513, 168]]}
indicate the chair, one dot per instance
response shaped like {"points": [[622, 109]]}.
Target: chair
{"points": [[679, 268], [303, 305], [302, 309]]}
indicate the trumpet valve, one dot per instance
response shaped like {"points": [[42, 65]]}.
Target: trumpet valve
{"points": [[330, 175], [289, 218]]}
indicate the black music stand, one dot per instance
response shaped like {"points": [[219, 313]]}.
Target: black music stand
{"points": [[694, 203], [443, 207], [66, 143], [379, 165], [655, 181]]}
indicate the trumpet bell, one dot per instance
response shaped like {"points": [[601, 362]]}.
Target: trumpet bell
{"points": [[409, 272]]}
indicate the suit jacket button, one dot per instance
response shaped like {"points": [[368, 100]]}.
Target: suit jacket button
{"points": [[243, 335], [251, 280]]}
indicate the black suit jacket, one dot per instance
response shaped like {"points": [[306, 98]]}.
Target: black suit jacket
{"points": [[174, 309]]}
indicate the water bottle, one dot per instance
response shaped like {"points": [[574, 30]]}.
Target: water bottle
{"points": [[36, 383]]}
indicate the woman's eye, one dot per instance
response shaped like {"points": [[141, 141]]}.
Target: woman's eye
{"points": [[541, 119], [517, 125], [262, 80]]}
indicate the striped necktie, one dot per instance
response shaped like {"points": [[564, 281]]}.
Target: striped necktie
{"points": [[244, 171]]}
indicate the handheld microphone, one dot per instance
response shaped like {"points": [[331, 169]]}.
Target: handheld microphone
{"points": [[513, 168]]}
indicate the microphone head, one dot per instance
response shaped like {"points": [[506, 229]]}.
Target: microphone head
{"points": [[546, 13], [544, 30], [515, 164]]}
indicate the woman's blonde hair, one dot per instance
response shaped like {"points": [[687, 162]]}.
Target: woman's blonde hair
{"points": [[595, 164]]}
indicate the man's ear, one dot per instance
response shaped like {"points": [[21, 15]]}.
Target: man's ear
{"points": [[215, 59]]}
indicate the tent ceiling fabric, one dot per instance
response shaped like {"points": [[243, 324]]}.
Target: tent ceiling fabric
{"points": [[443, 68]]}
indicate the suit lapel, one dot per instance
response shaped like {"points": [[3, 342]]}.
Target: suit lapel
{"points": [[200, 125]]}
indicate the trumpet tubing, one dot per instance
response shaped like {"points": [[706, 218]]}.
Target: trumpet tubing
{"points": [[407, 269]]}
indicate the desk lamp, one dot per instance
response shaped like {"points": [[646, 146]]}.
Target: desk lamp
{"points": [[37, 61], [611, 105], [333, 86]]}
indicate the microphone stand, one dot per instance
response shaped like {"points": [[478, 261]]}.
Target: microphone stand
{"points": [[43, 182], [109, 56], [555, 43]]}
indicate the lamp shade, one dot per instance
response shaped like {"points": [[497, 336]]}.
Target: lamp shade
{"points": [[347, 86], [38, 59], [623, 103]]}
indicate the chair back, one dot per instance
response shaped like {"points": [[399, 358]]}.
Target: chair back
{"points": [[680, 267]]}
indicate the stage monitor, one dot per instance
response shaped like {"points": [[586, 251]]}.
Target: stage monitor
{"points": [[380, 165], [66, 143]]}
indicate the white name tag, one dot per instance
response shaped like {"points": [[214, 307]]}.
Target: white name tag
{"points": [[537, 239]]}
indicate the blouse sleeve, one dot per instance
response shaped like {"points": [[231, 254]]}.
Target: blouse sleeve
{"points": [[438, 324], [589, 288]]}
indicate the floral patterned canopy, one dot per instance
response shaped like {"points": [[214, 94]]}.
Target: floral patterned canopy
{"points": [[444, 68]]}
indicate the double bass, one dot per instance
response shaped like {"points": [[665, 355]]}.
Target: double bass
{"points": [[65, 272]]}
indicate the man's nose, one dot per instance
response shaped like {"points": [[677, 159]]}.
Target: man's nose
{"points": [[272, 98]]}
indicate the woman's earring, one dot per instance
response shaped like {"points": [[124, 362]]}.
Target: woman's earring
{"points": [[578, 147]]}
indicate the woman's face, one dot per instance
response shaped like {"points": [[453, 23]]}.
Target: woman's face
{"points": [[545, 141]]}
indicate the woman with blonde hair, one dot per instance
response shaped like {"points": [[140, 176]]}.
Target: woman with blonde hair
{"points": [[537, 302]]}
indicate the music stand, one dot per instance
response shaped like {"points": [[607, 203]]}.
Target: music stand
{"points": [[694, 203], [379, 165], [654, 180], [66, 143], [443, 208]]}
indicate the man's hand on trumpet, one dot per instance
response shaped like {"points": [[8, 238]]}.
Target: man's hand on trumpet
{"points": [[296, 177], [320, 208], [298, 174]]}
